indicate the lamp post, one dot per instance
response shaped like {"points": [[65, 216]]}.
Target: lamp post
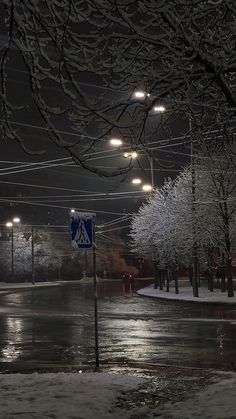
{"points": [[193, 191], [10, 224], [116, 142], [151, 167], [32, 256]]}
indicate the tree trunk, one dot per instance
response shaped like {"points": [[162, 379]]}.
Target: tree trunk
{"points": [[230, 287], [229, 276], [223, 283], [211, 280], [167, 280], [175, 277], [222, 274], [156, 275], [161, 279]]}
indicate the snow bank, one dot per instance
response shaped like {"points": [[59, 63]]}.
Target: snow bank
{"points": [[186, 294], [94, 395], [62, 396], [216, 402]]}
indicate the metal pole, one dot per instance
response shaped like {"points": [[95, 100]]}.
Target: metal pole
{"points": [[32, 256], [152, 174], [194, 249], [12, 254], [95, 300]]}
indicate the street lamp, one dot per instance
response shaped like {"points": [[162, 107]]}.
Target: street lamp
{"points": [[147, 188], [136, 181], [139, 94], [16, 220], [159, 108], [132, 154], [10, 224], [116, 142]]}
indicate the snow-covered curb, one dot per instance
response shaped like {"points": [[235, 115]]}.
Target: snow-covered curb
{"points": [[185, 294], [6, 287], [95, 395]]}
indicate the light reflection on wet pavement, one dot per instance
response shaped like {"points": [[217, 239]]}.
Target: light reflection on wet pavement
{"points": [[52, 329]]}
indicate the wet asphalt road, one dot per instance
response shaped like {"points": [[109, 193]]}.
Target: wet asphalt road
{"points": [[52, 329]]}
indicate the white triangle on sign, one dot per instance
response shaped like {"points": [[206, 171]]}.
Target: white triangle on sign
{"points": [[82, 236]]}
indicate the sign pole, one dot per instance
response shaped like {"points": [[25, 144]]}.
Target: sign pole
{"points": [[95, 287], [82, 229], [32, 256]]}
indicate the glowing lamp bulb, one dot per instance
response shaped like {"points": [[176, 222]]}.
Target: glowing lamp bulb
{"points": [[139, 94], [116, 142], [16, 220], [147, 188], [159, 108], [136, 181]]}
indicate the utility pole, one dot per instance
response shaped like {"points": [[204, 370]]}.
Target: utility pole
{"points": [[152, 174], [32, 256], [12, 254], [95, 286], [194, 248]]}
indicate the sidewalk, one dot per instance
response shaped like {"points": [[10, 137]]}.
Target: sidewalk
{"points": [[6, 287], [186, 294]]}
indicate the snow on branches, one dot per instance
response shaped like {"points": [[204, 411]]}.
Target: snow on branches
{"points": [[163, 228], [82, 61]]}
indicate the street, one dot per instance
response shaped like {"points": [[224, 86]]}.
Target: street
{"points": [[52, 330]]}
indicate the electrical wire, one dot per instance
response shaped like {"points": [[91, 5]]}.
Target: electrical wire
{"points": [[113, 229], [84, 195], [60, 207]]}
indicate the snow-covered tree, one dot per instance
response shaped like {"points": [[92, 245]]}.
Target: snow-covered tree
{"points": [[49, 252], [219, 169], [175, 225], [95, 53], [21, 255]]}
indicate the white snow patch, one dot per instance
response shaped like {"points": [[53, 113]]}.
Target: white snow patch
{"points": [[216, 402], [63, 395], [94, 395], [186, 294]]}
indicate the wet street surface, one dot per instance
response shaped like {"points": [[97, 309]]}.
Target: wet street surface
{"points": [[52, 329]]}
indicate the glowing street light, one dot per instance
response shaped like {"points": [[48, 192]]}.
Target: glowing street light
{"points": [[116, 142], [159, 108], [132, 154], [136, 181], [72, 210], [140, 94], [9, 224], [16, 220], [147, 188]]}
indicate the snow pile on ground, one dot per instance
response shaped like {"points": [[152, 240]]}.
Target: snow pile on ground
{"points": [[63, 396], [218, 401], [94, 395], [186, 294]]}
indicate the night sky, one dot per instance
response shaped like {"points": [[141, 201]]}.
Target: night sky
{"points": [[169, 157]]}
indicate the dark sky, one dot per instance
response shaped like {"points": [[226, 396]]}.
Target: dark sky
{"points": [[74, 180]]}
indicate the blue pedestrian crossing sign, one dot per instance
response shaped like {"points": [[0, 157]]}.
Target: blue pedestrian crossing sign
{"points": [[82, 229]]}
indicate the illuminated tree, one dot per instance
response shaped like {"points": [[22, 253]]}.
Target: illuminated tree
{"points": [[166, 222]]}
